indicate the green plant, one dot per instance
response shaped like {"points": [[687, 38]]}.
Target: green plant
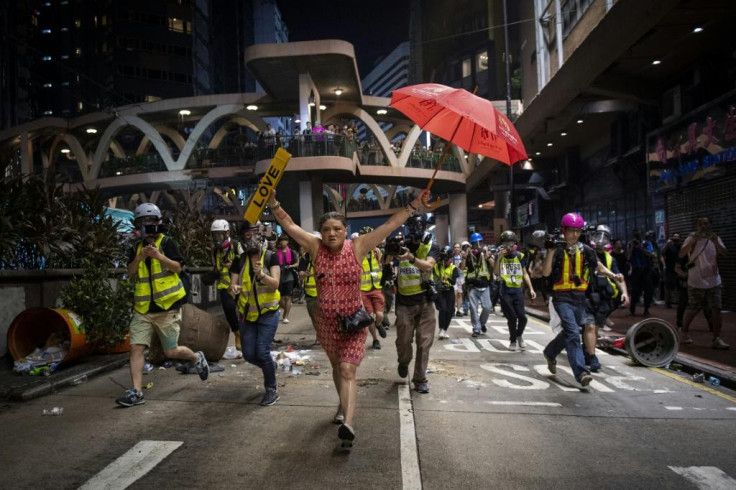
{"points": [[191, 230], [105, 310]]}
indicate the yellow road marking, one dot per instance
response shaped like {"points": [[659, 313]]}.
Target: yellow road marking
{"points": [[693, 384]]}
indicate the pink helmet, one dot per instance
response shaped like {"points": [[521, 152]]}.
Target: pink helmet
{"points": [[572, 220]]}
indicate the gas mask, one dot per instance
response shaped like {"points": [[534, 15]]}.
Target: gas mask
{"points": [[220, 238], [601, 239], [253, 244]]}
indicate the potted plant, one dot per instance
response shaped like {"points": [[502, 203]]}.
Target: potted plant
{"points": [[104, 305]]}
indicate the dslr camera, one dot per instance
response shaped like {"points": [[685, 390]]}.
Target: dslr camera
{"points": [[388, 277], [551, 240], [431, 289], [394, 245]]}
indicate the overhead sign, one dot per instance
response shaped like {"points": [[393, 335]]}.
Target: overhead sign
{"points": [[269, 181]]}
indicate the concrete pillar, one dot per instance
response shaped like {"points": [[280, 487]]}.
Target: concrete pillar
{"points": [[558, 33], [441, 229], [458, 217], [308, 221], [26, 154], [306, 88]]}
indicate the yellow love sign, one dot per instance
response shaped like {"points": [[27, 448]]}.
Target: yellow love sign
{"points": [[269, 181]]}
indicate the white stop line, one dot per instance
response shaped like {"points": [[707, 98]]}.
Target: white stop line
{"points": [[132, 465]]}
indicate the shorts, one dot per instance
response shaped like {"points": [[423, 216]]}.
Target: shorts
{"points": [[166, 324], [707, 299], [459, 284], [373, 301], [286, 288]]}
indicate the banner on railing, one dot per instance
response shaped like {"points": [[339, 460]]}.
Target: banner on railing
{"points": [[269, 181]]}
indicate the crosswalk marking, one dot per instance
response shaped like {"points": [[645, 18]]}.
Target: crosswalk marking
{"points": [[524, 404], [706, 477], [132, 465]]}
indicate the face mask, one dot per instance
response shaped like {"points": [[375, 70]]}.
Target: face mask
{"points": [[226, 243], [252, 245]]}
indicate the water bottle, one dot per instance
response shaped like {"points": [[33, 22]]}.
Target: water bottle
{"points": [[287, 364], [714, 381]]}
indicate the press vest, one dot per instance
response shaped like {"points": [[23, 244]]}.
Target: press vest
{"points": [[163, 287], [371, 277], [258, 301], [223, 282], [609, 261], [410, 277], [570, 268], [310, 283], [443, 274], [511, 272]]}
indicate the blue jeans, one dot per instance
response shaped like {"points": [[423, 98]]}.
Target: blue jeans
{"points": [[256, 339], [482, 296], [571, 315], [512, 304]]}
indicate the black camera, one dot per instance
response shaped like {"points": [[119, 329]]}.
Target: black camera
{"points": [[431, 289], [394, 245], [155, 229], [388, 277]]}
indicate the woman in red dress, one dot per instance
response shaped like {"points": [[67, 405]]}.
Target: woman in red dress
{"points": [[338, 271]]}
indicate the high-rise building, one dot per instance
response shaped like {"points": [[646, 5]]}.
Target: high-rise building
{"points": [[69, 57]]}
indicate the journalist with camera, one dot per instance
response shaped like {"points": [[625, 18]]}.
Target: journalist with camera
{"points": [[478, 261], [570, 266], [511, 268], [702, 249], [155, 265], [414, 302]]}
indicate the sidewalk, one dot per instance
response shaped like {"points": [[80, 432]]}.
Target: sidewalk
{"points": [[698, 356]]}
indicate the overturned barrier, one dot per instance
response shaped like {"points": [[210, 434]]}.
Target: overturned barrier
{"points": [[652, 342], [199, 331]]}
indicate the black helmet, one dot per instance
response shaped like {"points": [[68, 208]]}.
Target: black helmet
{"points": [[508, 236], [247, 226], [446, 252], [416, 226], [365, 230]]}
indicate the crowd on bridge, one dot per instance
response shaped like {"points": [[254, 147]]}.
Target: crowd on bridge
{"points": [[350, 283]]}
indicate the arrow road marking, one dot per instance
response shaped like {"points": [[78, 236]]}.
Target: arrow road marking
{"points": [[132, 465], [706, 477]]}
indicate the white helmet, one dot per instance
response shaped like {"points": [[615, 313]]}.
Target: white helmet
{"points": [[220, 225], [147, 209]]}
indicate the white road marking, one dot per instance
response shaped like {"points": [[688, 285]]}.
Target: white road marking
{"points": [[731, 408], [525, 404], [411, 478], [132, 465], [706, 477], [673, 408]]}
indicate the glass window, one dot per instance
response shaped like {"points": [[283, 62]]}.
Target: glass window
{"points": [[176, 25], [466, 68], [481, 61]]}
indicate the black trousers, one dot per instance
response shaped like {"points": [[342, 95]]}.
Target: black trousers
{"points": [[230, 308], [512, 305], [445, 304], [641, 282]]}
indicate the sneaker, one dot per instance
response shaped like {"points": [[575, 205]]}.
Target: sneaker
{"points": [[475, 334], [132, 397], [403, 371], [551, 364], [686, 339], [720, 344], [606, 328], [271, 397], [346, 433], [421, 387], [512, 346], [459, 314], [203, 369], [443, 335], [376, 345], [585, 379], [483, 328], [285, 320], [595, 364], [339, 416], [522, 344], [381, 331]]}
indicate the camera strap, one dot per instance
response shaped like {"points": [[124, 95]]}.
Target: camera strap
{"points": [[696, 257]]}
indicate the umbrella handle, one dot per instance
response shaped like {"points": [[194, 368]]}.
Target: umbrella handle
{"points": [[426, 203], [431, 205]]}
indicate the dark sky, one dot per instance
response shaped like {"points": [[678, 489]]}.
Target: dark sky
{"points": [[375, 27]]}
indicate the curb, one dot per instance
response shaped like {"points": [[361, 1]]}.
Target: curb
{"points": [[38, 387], [690, 365]]}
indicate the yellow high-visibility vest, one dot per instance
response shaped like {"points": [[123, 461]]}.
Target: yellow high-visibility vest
{"points": [[259, 300], [223, 282], [371, 277], [410, 277], [568, 270], [163, 287], [310, 283]]}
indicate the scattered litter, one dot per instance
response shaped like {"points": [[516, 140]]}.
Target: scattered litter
{"points": [[714, 381], [474, 384], [434, 369], [148, 412], [369, 382], [456, 341], [699, 377], [79, 380], [698, 396], [147, 368], [44, 361], [167, 363], [233, 365], [312, 373], [54, 411], [296, 372], [149, 385], [162, 368]]}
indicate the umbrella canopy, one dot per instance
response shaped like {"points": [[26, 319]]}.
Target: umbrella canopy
{"points": [[463, 119]]}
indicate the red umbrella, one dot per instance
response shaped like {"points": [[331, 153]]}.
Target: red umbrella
{"points": [[463, 119]]}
